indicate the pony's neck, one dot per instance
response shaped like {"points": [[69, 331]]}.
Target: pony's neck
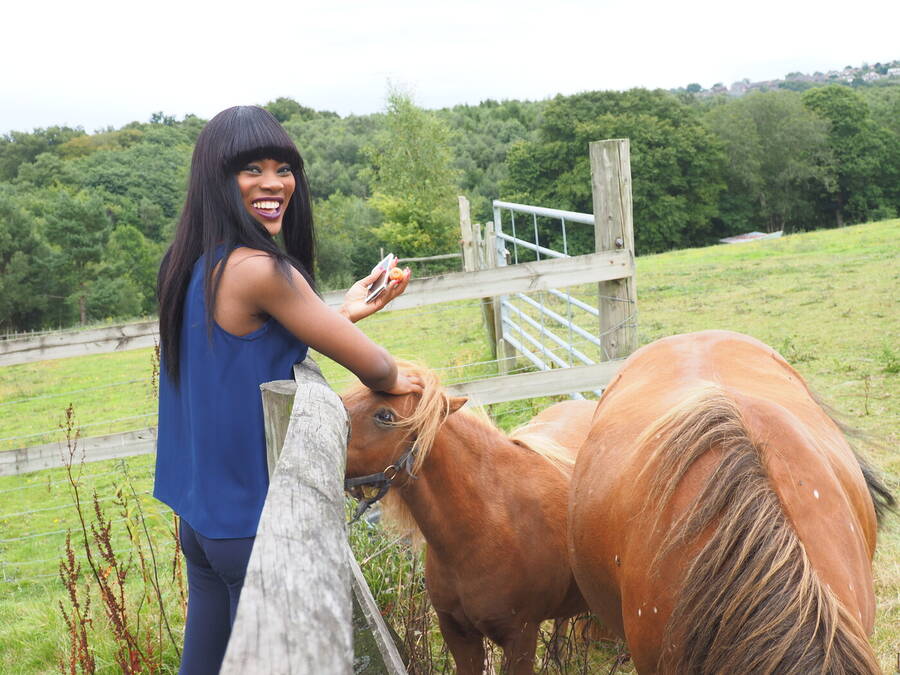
{"points": [[453, 492]]}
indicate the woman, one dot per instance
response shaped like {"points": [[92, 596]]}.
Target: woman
{"points": [[235, 311]]}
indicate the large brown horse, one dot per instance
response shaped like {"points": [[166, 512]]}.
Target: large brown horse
{"points": [[718, 519], [492, 510]]}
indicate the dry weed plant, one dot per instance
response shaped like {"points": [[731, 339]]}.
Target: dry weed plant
{"points": [[140, 627]]}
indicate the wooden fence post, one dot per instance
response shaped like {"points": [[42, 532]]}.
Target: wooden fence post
{"points": [[614, 231], [295, 609], [491, 306], [476, 257], [373, 651], [466, 236]]}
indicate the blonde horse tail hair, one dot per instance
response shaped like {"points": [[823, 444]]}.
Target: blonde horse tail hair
{"points": [[751, 601]]}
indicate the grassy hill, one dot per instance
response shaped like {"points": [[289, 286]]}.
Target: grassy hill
{"points": [[827, 300]]}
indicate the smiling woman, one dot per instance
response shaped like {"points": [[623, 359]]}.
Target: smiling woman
{"points": [[237, 310], [266, 186]]}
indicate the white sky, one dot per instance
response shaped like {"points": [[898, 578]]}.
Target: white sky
{"points": [[96, 63]]}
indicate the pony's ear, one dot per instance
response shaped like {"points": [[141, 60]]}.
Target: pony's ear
{"points": [[457, 402]]}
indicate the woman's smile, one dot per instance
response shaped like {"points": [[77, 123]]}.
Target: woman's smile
{"points": [[268, 207], [266, 187]]}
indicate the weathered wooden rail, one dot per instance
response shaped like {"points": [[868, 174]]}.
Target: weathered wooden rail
{"points": [[295, 614], [64, 344], [524, 278]]}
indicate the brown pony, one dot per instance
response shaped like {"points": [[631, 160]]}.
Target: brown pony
{"points": [[718, 519], [492, 510]]}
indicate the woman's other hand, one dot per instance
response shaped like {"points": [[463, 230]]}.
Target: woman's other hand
{"points": [[355, 306]]}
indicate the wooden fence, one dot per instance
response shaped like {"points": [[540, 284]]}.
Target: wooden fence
{"points": [[522, 278], [296, 608]]}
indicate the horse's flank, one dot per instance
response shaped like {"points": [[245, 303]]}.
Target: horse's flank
{"points": [[710, 465], [751, 600]]}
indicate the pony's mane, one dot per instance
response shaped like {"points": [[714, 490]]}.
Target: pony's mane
{"points": [[751, 600]]}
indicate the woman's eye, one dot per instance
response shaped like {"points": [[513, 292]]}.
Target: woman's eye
{"points": [[251, 168], [284, 170]]}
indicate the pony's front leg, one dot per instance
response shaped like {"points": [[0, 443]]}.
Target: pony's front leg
{"points": [[518, 650], [465, 644]]}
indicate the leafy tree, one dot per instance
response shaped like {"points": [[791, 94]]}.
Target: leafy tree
{"points": [[26, 290], [46, 171], [17, 147], [129, 257], [113, 298], [777, 160], [284, 109], [347, 248], [332, 152], [79, 146], [414, 183], [859, 152], [676, 164], [76, 226], [482, 137], [153, 172]]}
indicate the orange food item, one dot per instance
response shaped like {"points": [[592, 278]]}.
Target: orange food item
{"points": [[395, 274]]}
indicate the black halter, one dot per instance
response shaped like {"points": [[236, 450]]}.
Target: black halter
{"points": [[383, 480]]}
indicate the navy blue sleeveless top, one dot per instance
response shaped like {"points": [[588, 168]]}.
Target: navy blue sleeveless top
{"points": [[211, 448]]}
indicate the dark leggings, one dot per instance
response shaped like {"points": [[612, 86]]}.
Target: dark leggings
{"points": [[216, 569]]}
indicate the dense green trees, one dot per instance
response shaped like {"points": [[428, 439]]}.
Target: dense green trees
{"points": [[676, 163], [84, 218], [776, 161], [861, 154]]}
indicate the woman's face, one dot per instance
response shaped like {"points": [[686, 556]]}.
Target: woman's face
{"points": [[266, 187]]}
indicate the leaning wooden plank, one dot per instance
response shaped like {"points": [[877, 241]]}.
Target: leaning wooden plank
{"points": [[92, 449], [388, 659], [61, 345], [295, 609], [543, 383], [521, 278]]}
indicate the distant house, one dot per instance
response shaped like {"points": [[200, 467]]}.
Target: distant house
{"points": [[893, 72]]}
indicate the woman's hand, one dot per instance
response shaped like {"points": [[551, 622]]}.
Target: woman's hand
{"points": [[405, 384], [355, 306]]}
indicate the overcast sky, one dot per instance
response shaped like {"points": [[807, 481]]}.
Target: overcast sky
{"points": [[96, 63]]}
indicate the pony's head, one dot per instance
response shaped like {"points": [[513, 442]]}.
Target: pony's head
{"points": [[384, 428]]}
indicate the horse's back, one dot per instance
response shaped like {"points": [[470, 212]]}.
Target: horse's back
{"points": [[688, 386]]}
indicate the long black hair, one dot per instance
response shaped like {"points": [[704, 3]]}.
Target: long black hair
{"points": [[214, 214]]}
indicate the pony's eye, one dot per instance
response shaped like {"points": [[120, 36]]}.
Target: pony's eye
{"points": [[384, 417]]}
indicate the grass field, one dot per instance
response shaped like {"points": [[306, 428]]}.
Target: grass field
{"points": [[828, 301]]}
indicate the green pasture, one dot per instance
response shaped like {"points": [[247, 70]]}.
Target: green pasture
{"points": [[827, 300]]}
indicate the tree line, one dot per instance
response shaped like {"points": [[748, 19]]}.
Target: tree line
{"points": [[84, 218]]}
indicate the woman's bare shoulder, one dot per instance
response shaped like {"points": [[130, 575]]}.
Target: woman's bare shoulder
{"points": [[253, 270]]}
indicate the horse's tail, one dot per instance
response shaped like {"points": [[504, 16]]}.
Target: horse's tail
{"points": [[751, 601]]}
